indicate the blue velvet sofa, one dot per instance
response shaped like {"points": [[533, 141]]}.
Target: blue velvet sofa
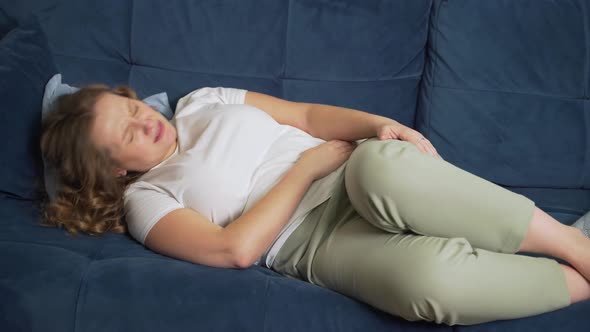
{"points": [[500, 87]]}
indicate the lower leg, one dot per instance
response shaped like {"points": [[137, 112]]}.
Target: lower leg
{"points": [[548, 236], [578, 286]]}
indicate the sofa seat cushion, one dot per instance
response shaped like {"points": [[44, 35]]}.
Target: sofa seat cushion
{"points": [[114, 283]]}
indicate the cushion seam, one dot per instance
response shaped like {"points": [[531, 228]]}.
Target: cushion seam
{"points": [[411, 76], [44, 245], [132, 14], [80, 289], [585, 143], [586, 160], [286, 41], [434, 65], [130, 55], [116, 60], [266, 305], [586, 48], [401, 78], [537, 94], [83, 280]]}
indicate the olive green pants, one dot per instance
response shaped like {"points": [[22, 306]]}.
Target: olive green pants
{"points": [[417, 237]]}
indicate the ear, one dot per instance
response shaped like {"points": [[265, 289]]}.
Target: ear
{"points": [[120, 172]]}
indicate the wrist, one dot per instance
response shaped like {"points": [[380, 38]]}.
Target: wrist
{"points": [[300, 171]]}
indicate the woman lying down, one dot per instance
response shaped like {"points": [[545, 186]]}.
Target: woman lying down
{"points": [[238, 178]]}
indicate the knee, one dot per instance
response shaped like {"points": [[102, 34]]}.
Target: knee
{"points": [[432, 298], [377, 152], [374, 161]]}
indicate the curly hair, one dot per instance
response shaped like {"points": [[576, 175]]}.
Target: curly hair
{"points": [[90, 198]]}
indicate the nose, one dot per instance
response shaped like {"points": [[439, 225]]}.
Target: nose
{"points": [[148, 126]]}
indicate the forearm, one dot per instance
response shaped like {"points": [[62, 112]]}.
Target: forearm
{"points": [[254, 231], [333, 122]]}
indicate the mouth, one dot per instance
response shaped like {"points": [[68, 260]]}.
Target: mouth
{"points": [[160, 132]]}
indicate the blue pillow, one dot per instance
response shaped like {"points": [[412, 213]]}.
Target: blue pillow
{"points": [[56, 88], [26, 63]]}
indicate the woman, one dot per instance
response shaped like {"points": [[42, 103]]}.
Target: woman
{"points": [[240, 178]]}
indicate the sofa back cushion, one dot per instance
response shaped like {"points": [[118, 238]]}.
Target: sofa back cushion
{"points": [[362, 54], [6, 24], [26, 65], [506, 91]]}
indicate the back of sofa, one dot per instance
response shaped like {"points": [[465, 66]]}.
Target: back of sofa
{"points": [[365, 54], [504, 95]]}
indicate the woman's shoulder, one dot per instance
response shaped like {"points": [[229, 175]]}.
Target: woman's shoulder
{"points": [[143, 187], [212, 95]]}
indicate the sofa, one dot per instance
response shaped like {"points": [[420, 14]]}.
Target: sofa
{"points": [[500, 87]]}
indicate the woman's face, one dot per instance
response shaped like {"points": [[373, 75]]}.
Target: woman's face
{"points": [[128, 129]]}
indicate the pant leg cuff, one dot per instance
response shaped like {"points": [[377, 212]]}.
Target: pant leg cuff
{"points": [[520, 228]]}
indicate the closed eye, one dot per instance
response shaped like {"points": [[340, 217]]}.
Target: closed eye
{"points": [[134, 112]]}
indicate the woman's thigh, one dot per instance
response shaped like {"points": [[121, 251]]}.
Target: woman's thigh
{"points": [[397, 188]]}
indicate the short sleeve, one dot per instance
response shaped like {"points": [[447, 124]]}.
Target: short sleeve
{"points": [[144, 207], [210, 95]]}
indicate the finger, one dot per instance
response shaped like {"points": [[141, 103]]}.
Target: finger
{"points": [[432, 151], [422, 148], [430, 148], [435, 153]]}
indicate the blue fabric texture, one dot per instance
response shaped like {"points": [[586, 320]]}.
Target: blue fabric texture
{"points": [[53, 90], [505, 95], [6, 24], [25, 66], [500, 87], [15, 13]]}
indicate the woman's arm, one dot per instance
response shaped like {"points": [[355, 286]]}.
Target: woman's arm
{"points": [[324, 121], [333, 122], [187, 235], [254, 231]]}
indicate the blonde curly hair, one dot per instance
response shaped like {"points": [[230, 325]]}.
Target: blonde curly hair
{"points": [[90, 198]]}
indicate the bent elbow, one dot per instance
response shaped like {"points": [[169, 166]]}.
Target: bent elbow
{"points": [[243, 261], [242, 252], [244, 257]]}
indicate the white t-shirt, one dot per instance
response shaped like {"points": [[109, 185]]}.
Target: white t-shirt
{"points": [[228, 156]]}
